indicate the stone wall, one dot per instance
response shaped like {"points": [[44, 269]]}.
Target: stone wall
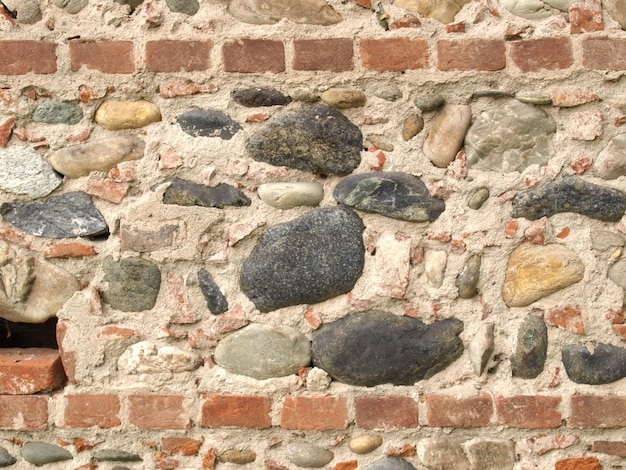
{"points": [[292, 234]]}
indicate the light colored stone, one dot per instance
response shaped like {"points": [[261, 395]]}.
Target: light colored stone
{"points": [[391, 265], [343, 98], [317, 380], [412, 125], [380, 142], [272, 11], [604, 240], [530, 9], [146, 357], [118, 115], [480, 348], [442, 10], [586, 125], [533, 97], [536, 271], [617, 9], [446, 134], [611, 161], [24, 171], [71, 6], [617, 273], [365, 443], [288, 195], [100, 155], [305, 454], [442, 453], [435, 262], [490, 454], [27, 11]]}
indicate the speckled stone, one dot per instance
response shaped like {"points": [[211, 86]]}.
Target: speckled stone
{"points": [[272, 11], [118, 115], [6, 459], [292, 194], [428, 103], [24, 171], [115, 455], [216, 302], [490, 453], [480, 348], [412, 125], [393, 194], [570, 194], [133, 284], [208, 123], [188, 7], [187, 193], [531, 348], [477, 198], [611, 161], [467, 281], [373, 348], [71, 6], [343, 98], [446, 134], [58, 112], [41, 453], [365, 443], [390, 463], [594, 363], [305, 454], [254, 97]]}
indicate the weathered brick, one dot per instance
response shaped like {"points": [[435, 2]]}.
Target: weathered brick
{"points": [[532, 55], [115, 332], [106, 188], [239, 411], [617, 448], [178, 56], [529, 411], [5, 130], [68, 358], [393, 54], [20, 57], [471, 54], [591, 411], [314, 413], [104, 56], [604, 53], [158, 412], [180, 445], [585, 17], [334, 55], [85, 411], [73, 249], [581, 463], [390, 412], [568, 318], [28, 371], [364, 3], [24, 413], [253, 56], [450, 411]]}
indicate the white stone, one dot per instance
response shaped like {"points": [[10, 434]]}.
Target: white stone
{"points": [[290, 195], [480, 348], [611, 161], [391, 265], [446, 134], [435, 262], [146, 358], [317, 380], [24, 171], [530, 9], [442, 10]]}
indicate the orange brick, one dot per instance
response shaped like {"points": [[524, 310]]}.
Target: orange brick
{"points": [[585, 17], [254, 56], [178, 56], [69, 250], [334, 55], [85, 411], [582, 463], [529, 411], [471, 54], [309, 413], [591, 411], [104, 56], [24, 413], [20, 57], [6, 127], [28, 371], [533, 55], [180, 445], [391, 412], [450, 411], [158, 412], [393, 54], [239, 411]]}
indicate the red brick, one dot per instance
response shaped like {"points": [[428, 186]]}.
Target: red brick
{"points": [[529, 411], [386, 412], [405, 22], [533, 55], [116, 332], [585, 17], [471, 54], [364, 3], [450, 411], [24, 413], [85, 411], [590, 411], [20, 57], [69, 250], [158, 412], [239, 411], [106, 188], [617, 448], [254, 56], [104, 56], [180, 445], [346, 465], [178, 56], [334, 55], [314, 413], [5, 130], [582, 463], [604, 53], [68, 358], [568, 318], [28, 371], [393, 54]]}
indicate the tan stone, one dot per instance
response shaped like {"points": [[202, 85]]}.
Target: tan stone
{"points": [[272, 11], [365, 443], [617, 9], [118, 115], [343, 98], [442, 10], [536, 271], [446, 134]]}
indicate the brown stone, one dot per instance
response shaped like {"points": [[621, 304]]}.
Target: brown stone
{"points": [[567, 318]]}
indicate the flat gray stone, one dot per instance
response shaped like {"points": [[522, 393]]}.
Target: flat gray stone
{"points": [[66, 216], [430, 102], [392, 194], [317, 138], [134, 284], [255, 97], [611, 161], [390, 463], [216, 302], [208, 123], [188, 193], [188, 7], [272, 11], [24, 171], [263, 351], [307, 260], [41, 453], [305, 454], [58, 112], [71, 6], [6, 459], [509, 138], [115, 455], [373, 348], [25, 11], [594, 363], [529, 357]]}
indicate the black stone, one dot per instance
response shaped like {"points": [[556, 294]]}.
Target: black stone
{"points": [[188, 193], [6, 459], [188, 7], [375, 348], [115, 455], [254, 97], [390, 463], [396, 195], [570, 194], [134, 284], [597, 365], [317, 138], [529, 357], [307, 260], [216, 302], [66, 216], [208, 123]]}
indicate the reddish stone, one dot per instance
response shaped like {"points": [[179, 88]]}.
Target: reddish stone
{"points": [[451, 411], [510, 229], [209, 458], [237, 411], [176, 88], [455, 27], [334, 55], [85, 411], [269, 465], [253, 56], [566, 97], [585, 17], [393, 54], [87, 466], [169, 159], [544, 443], [86, 93], [346, 465], [180, 309], [232, 320], [69, 250], [405, 22], [104, 56], [21, 57], [33, 92], [536, 233], [28, 371], [533, 55], [309, 413], [24, 413], [81, 444], [617, 448], [166, 464], [582, 463], [158, 412], [178, 56], [567, 318], [313, 318], [6, 98], [406, 450], [390, 412], [563, 233], [529, 411], [180, 445], [363, 3], [581, 165], [106, 189], [471, 54], [457, 247], [80, 137], [593, 411], [68, 358], [5, 130], [116, 332], [620, 330], [258, 117], [13, 237]]}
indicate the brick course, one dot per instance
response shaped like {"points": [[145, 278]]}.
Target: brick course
{"points": [[239, 411], [529, 411], [105, 56], [254, 56], [158, 412], [308, 413], [471, 54], [535, 55], [335, 55], [20, 57], [24, 412], [393, 54], [451, 411], [386, 412], [178, 56], [590, 411], [84, 411]]}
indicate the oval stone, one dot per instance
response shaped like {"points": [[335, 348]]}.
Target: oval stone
{"points": [[24, 171], [117, 115], [188, 7], [412, 125], [208, 123], [304, 454], [594, 363], [390, 463], [290, 195], [446, 134], [467, 282], [253, 97], [71, 6], [373, 348], [478, 198], [365, 443], [238, 456], [58, 112], [262, 351], [26, 11], [41, 453], [343, 98], [272, 11], [430, 102], [536, 271]]}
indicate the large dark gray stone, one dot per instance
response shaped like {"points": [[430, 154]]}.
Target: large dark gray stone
{"points": [[390, 463], [66, 216], [307, 260], [6, 459], [529, 357], [318, 139], [58, 112], [134, 284], [253, 97], [594, 363], [216, 302], [208, 123], [392, 194], [188, 193], [374, 348], [570, 194]]}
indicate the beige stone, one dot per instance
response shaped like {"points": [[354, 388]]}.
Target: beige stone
{"points": [[446, 134], [287, 195], [435, 262], [365, 443], [117, 115], [617, 9], [413, 125], [343, 98], [272, 11], [442, 10], [536, 271]]}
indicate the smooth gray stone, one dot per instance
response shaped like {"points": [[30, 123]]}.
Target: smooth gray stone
{"points": [[317, 138], [188, 193], [373, 348], [41, 453], [307, 260], [467, 282], [208, 123], [115, 455], [617, 273], [216, 302], [570, 194], [134, 284], [24, 171], [305, 454], [594, 364], [478, 198], [71, 6], [66, 216], [25, 11], [390, 463], [6, 459], [188, 7], [58, 112], [529, 357], [510, 137], [427, 103], [261, 351], [255, 97], [392, 194], [388, 92]]}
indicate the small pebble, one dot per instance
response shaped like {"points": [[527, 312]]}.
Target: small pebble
{"points": [[478, 198], [237, 456], [342, 98], [531, 97], [467, 281], [365, 443], [380, 142], [308, 455], [435, 262], [427, 103], [480, 348], [388, 92], [290, 195], [413, 125]]}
